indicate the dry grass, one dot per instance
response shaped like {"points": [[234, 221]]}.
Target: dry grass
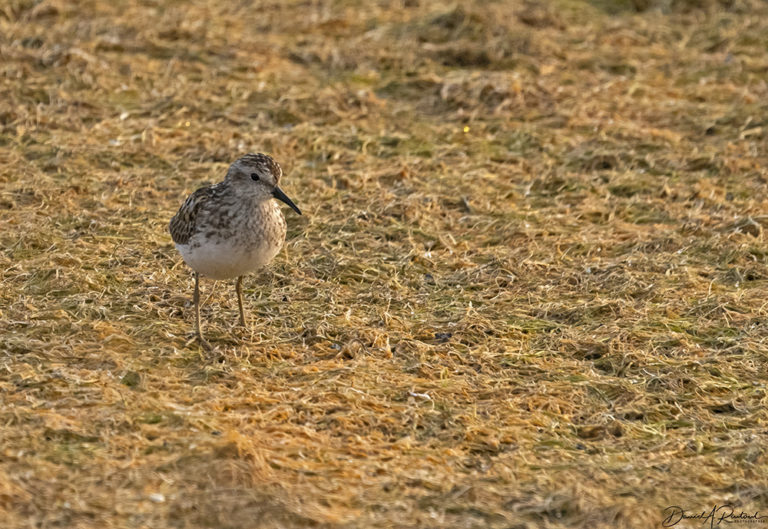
{"points": [[528, 289]]}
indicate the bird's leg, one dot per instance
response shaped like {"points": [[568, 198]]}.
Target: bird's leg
{"points": [[239, 289], [204, 343]]}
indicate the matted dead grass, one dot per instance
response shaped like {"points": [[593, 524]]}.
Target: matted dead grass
{"points": [[528, 290]]}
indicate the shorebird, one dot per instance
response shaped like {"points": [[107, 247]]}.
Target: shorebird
{"points": [[229, 229]]}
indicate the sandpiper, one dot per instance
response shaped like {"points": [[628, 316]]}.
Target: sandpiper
{"points": [[228, 229]]}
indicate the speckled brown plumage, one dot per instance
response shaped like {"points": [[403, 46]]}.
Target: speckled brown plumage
{"points": [[266, 162], [231, 228], [183, 224]]}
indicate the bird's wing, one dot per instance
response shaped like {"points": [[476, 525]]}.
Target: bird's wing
{"points": [[184, 223]]}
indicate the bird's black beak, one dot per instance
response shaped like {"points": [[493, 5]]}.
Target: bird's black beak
{"points": [[278, 194]]}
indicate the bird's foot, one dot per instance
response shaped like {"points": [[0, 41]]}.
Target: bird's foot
{"points": [[204, 343]]}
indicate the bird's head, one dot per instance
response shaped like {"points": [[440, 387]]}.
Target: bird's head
{"points": [[258, 175]]}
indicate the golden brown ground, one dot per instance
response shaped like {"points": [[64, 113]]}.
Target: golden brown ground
{"points": [[528, 290]]}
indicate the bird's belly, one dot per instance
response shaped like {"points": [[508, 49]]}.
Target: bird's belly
{"points": [[223, 260]]}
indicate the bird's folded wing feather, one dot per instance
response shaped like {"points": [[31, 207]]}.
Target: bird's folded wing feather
{"points": [[184, 223]]}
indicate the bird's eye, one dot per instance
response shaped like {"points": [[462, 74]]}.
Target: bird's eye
{"points": [[254, 177]]}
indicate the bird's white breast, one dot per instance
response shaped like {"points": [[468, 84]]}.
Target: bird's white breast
{"points": [[224, 259]]}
